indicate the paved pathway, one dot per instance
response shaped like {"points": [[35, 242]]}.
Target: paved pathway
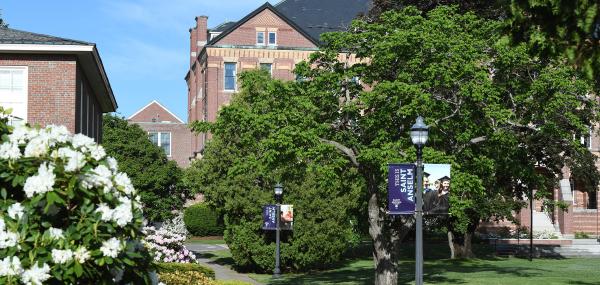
{"points": [[221, 272]]}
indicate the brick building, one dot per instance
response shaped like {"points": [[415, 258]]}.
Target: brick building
{"points": [[166, 130], [51, 80], [274, 38]]}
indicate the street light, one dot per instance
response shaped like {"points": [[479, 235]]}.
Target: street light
{"points": [[278, 196], [419, 133]]}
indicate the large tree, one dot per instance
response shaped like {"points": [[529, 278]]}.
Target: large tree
{"points": [[560, 27], [496, 114], [268, 134], [152, 174]]}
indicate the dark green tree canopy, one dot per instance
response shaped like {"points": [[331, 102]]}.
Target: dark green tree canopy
{"points": [[152, 174]]}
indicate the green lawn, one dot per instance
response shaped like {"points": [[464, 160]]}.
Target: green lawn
{"points": [[487, 270]]}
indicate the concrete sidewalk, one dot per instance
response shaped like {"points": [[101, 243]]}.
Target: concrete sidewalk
{"points": [[221, 272]]}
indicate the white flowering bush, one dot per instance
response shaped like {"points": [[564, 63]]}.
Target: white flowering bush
{"points": [[176, 225], [67, 215], [167, 246]]}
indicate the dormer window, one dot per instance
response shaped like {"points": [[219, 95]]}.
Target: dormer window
{"points": [[272, 38], [260, 38]]}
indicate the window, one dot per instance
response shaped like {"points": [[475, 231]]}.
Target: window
{"points": [[13, 91], [592, 200], [586, 139], [162, 140], [230, 76], [268, 67], [272, 38], [260, 38]]}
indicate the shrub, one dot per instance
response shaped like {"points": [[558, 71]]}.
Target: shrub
{"points": [[185, 278], [176, 225], [167, 246], [201, 220], [581, 235], [67, 215], [185, 267]]}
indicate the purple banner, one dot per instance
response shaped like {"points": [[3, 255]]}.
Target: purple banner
{"points": [[270, 217], [401, 185]]}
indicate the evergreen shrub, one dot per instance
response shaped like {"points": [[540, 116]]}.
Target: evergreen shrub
{"points": [[201, 221]]}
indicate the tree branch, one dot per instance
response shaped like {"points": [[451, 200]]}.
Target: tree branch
{"points": [[346, 150]]}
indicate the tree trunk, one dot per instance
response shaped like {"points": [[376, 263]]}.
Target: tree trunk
{"points": [[387, 235], [460, 245]]}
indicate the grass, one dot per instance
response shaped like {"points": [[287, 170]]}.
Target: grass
{"points": [[488, 269]]}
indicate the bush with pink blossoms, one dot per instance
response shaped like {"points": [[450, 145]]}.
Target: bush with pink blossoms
{"points": [[168, 246]]}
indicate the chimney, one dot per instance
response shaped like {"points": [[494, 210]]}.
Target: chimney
{"points": [[198, 36]]}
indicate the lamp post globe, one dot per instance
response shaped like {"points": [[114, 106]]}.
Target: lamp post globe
{"points": [[419, 132]]}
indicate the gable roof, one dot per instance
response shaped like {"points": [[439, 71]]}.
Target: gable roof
{"points": [[267, 5], [222, 27], [320, 16], [88, 57], [160, 105], [12, 36]]}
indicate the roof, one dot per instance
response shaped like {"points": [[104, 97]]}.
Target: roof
{"points": [[22, 42], [12, 36], [161, 106], [267, 5], [222, 27], [320, 16]]}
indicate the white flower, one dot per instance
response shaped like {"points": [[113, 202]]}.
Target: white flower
{"points": [[75, 159], [10, 266], [40, 183], [15, 211], [122, 213], [122, 180], [62, 256], [112, 164], [36, 274], [10, 150], [20, 134], [82, 141], [37, 147], [111, 247], [102, 177], [81, 254], [56, 233], [106, 213], [58, 133], [7, 238], [97, 152]]}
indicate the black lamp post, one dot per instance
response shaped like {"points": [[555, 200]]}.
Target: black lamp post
{"points": [[419, 134], [278, 196]]}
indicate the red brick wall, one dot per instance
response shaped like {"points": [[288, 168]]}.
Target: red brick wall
{"points": [[51, 87], [181, 135], [266, 21], [181, 138]]}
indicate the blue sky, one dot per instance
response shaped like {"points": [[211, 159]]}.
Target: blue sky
{"points": [[144, 44]]}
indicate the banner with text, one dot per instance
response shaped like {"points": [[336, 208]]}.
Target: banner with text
{"points": [[401, 185], [269, 217]]}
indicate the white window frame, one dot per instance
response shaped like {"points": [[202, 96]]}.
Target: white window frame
{"points": [[269, 38], [25, 90], [264, 40], [234, 77], [270, 67], [159, 133]]}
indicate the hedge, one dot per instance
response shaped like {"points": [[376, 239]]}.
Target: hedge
{"points": [[172, 267], [201, 220]]}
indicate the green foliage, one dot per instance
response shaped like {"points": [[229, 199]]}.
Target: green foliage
{"points": [[232, 282], [266, 135], [171, 267], [185, 278], [581, 235], [66, 211], [560, 28], [156, 178], [200, 220], [505, 121]]}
